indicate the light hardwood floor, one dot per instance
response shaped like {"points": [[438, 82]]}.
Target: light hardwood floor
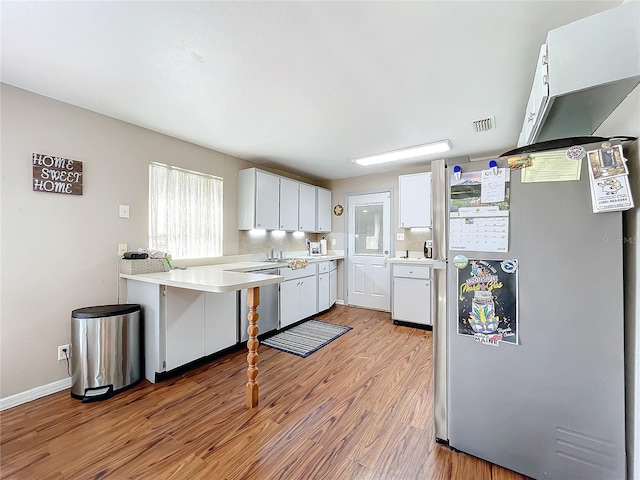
{"points": [[360, 408]]}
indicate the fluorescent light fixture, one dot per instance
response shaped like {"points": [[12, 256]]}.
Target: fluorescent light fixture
{"points": [[405, 153]]}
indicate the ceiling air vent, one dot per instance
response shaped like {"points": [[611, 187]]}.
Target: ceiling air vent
{"points": [[484, 125]]}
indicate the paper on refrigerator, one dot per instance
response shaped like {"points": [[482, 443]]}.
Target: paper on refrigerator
{"points": [[475, 223], [609, 180]]}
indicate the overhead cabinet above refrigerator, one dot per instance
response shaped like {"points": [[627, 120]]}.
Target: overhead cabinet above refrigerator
{"points": [[584, 71]]}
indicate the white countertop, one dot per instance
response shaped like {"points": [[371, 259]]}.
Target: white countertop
{"points": [[224, 277]]}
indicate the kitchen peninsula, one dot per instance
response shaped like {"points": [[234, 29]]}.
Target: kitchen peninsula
{"points": [[201, 295], [192, 313]]}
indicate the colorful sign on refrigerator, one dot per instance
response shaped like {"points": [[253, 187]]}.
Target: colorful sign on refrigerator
{"points": [[487, 301]]}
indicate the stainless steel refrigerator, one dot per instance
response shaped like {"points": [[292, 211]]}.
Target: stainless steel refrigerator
{"points": [[548, 400]]}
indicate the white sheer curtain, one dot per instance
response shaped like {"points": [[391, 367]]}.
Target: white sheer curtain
{"points": [[185, 212]]}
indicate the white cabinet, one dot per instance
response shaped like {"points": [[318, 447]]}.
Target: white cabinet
{"points": [[220, 331], [415, 200], [269, 202], [307, 208], [411, 300], [323, 292], [258, 200], [327, 285], [538, 99], [289, 204], [324, 286], [592, 67], [297, 294], [182, 325], [333, 285], [184, 314], [323, 210]]}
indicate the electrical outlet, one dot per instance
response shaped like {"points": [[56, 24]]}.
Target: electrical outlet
{"points": [[400, 236], [122, 248], [61, 352]]}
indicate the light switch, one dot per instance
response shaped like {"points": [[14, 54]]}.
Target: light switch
{"points": [[124, 211], [400, 236]]}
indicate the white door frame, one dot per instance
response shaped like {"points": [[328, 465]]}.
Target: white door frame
{"points": [[347, 231]]}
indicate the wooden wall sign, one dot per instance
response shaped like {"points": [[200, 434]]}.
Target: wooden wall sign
{"points": [[56, 175]]}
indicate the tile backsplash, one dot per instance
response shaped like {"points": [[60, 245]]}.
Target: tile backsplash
{"points": [[413, 240], [263, 241]]}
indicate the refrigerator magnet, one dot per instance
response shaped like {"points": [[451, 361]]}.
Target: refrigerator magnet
{"points": [[576, 153], [460, 261], [509, 266]]}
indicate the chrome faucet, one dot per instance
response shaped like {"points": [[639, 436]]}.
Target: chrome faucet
{"points": [[272, 253]]}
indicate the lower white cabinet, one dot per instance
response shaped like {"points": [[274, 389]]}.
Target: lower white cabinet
{"points": [[327, 285], [184, 319], [219, 331], [182, 325], [298, 294], [411, 300], [333, 287], [323, 292]]}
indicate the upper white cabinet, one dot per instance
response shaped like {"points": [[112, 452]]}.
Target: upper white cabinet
{"points": [[258, 200], [289, 204], [307, 208], [323, 210], [592, 66], [269, 202], [538, 99], [415, 200]]}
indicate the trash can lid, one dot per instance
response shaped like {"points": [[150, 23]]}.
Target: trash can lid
{"points": [[105, 310]]}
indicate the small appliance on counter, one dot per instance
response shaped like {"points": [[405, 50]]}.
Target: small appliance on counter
{"points": [[314, 248]]}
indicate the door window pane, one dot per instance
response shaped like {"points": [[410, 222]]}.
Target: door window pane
{"points": [[368, 229]]}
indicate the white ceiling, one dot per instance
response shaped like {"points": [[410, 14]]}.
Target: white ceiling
{"points": [[299, 86]]}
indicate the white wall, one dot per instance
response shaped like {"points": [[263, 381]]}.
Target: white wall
{"points": [[59, 252]]}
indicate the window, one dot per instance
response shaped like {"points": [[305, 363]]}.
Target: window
{"points": [[185, 212]]}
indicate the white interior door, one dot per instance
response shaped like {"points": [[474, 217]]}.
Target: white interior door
{"points": [[368, 246]]}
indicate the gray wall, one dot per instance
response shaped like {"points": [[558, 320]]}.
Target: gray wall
{"points": [[59, 252]]}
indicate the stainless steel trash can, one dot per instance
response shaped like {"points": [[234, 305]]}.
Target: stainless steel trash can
{"points": [[106, 350]]}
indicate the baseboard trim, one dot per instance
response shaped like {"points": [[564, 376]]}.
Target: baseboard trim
{"points": [[34, 393], [339, 302]]}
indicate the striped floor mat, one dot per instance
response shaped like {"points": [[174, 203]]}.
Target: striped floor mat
{"points": [[306, 338]]}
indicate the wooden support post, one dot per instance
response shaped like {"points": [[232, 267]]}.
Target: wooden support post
{"points": [[253, 300]]}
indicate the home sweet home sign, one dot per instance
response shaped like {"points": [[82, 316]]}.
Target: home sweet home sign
{"points": [[56, 175]]}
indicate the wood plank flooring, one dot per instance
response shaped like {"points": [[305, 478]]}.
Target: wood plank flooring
{"points": [[359, 408]]}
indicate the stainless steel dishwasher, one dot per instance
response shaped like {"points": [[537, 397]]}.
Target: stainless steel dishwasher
{"points": [[267, 309]]}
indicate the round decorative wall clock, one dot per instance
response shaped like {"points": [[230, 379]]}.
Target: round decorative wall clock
{"points": [[338, 209]]}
